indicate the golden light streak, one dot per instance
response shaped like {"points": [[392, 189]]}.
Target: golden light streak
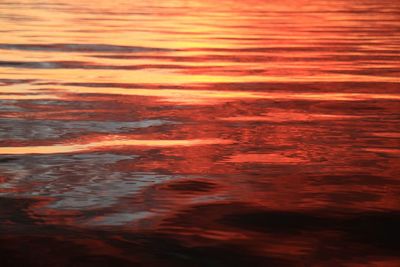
{"points": [[105, 144]]}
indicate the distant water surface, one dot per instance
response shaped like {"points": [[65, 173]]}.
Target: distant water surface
{"points": [[200, 133]]}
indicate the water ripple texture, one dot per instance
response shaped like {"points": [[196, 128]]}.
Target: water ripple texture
{"points": [[199, 133]]}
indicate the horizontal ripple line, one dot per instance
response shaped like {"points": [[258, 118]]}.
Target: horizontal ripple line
{"points": [[80, 48], [106, 144]]}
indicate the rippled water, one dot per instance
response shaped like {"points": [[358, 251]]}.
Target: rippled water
{"points": [[199, 133]]}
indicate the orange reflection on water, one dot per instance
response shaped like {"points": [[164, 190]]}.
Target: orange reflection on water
{"points": [[190, 96], [112, 144], [172, 95], [27, 97], [288, 116], [237, 128]]}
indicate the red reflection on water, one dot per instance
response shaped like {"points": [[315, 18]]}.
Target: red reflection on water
{"points": [[195, 133], [267, 158]]}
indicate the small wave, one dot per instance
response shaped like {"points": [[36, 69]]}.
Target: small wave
{"points": [[81, 48]]}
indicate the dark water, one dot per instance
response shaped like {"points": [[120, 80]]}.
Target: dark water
{"points": [[200, 133]]}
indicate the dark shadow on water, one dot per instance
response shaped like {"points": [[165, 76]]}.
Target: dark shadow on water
{"points": [[26, 241]]}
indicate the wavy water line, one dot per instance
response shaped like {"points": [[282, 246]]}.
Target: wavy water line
{"points": [[186, 96], [113, 144]]}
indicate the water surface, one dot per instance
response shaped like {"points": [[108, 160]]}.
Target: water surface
{"points": [[199, 133]]}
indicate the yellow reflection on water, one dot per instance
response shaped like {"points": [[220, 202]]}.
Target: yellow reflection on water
{"points": [[186, 96], [162, 76], [106, 144], [204, 96], [27, 97]]}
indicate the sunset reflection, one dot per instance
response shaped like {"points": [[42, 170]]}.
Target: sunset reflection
{"points": [[109, 144], [199, 133]]}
